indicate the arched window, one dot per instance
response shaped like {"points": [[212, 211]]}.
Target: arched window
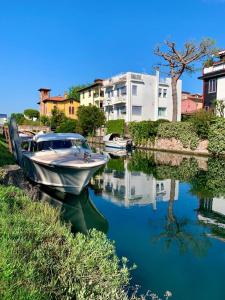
{"points": [[70, 110]]}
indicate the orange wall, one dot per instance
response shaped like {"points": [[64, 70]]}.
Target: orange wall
{"points": [[67, 106]]}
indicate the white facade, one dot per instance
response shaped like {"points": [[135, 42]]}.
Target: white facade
{"points": [[137, 97], [135, 188], [220, 93]]}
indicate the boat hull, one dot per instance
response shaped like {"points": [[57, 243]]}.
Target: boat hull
{"points": [[118, 145], [64, 179]]}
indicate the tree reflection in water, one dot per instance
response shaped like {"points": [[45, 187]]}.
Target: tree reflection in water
{"points": [[177, 232]]}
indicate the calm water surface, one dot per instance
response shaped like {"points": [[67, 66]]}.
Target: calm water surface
{"points": [[166, 213]]}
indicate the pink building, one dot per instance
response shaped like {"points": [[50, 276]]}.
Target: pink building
{"points": [[190, 103]]}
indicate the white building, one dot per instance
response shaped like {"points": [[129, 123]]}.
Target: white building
{"points": [[3, 119], [128, 188], [137, 97]]}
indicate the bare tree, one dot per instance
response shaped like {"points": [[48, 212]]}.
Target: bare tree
{"points": [[180, 61]]}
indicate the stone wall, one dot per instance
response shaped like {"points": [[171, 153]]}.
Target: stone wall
{"points": [[174, 145]]}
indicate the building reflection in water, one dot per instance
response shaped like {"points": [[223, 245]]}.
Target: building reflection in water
{"points": [[211, 213], [127, 188], [79, 210]]}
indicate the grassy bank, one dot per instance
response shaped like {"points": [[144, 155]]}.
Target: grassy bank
{"points": [[41, 259], [6, 158]]}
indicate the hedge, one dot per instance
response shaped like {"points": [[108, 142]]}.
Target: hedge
{"points": [[115, 126], [217, 137], [183, 131]]}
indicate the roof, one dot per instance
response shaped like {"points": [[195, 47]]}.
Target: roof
{"points": [[97, 82], [57, 136], [210, 75], [58, 99]]}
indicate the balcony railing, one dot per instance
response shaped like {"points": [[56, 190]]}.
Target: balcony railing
{"points": [[215, 68]]}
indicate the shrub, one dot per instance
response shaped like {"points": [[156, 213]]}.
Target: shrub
{"points": [[217, 137], [116, 126], [183, 131], [68, 125], [201, 121], [41, 259], [142, 131]]}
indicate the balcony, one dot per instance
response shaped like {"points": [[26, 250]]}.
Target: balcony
{"points": [[114, 101], [214, 68]]}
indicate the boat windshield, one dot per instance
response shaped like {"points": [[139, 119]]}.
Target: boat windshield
{"points": [[56, 144], [61, 144]]}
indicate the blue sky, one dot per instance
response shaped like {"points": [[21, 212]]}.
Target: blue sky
{"points": [[57, 44]]}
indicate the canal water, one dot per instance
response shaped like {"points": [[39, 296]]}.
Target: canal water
{"points": [[166, 213]]}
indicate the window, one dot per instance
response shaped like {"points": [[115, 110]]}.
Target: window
{"points": [[83, 95], [89, 93], [123, 90], [72, 111], [71, 101], [160, 92], [137, 110], [118, 92], [212, 86], [134, 90], [164, 93], [162, 112], [108, 94], [112, 93]]}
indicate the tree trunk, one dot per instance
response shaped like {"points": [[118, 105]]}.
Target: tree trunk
{"points": [[174, 96], [171, 217]]}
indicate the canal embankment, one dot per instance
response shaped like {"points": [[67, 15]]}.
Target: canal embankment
{"points": [[41, 258]]}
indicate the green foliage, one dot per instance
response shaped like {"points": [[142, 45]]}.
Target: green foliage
{"points": [[45, 120], [41, 259], [143, 130], [217, 137], [68, 125], [219, 106], [142, 162], [6, 158], [115, 126], [90, 118], [73, 91], [57, 117], [19, 117], [202, 121], [31, 113], [116, 164], [183, 131]]}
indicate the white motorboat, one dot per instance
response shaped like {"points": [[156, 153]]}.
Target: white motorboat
{"points": [[113, 140], [62, 161]]}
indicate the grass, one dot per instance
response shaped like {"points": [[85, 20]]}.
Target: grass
{"points": [[6, 158], [41, 259]]}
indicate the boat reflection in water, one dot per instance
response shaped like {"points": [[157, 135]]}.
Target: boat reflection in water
{"points": [[78, 210]]}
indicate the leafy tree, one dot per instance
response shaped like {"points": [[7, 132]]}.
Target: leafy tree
{"points": [[180, 61], [31, 113], [73, 91], [90, 118], [19, 117], [45, 120], [68, 125], [57, 117]]}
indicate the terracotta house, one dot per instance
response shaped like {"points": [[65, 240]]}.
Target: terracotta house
{"points": [[190, 103], [47, 103]]}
